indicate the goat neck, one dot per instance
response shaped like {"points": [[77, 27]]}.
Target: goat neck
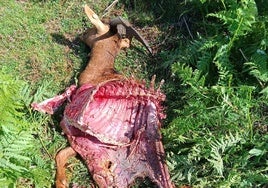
{"points": [[100, 67]]}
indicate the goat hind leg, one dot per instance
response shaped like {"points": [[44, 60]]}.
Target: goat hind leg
{"points": [[61, 160]]}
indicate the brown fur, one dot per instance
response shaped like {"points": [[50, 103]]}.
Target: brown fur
{"points": [[104, 49]]}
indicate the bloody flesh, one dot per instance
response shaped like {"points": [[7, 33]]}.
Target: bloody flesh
{"points": [[115, 127]]}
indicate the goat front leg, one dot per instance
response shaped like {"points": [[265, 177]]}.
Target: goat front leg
{"points": [[61, 160]]}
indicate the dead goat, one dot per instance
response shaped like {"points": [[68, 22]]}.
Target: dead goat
{"points": [[112, 122]]}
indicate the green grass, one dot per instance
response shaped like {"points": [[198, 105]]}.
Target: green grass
{"points": [[212, 55], [40, 48]]}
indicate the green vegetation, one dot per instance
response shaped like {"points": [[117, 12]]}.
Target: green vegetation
{"points": [[212, 54]]}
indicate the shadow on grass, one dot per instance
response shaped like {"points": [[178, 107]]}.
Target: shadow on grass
{"points": [[76, 47]]}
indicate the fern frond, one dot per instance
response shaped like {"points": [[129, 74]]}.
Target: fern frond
{"points": [[10, 166], [217, 161], [238, 17], [225, 68], [188, 75], [219, 147], [16, 139], [258, 66]]}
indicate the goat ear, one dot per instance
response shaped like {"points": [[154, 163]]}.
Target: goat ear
{"points": [[124, 43], [93, 17]]}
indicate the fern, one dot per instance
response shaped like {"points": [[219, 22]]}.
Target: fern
{"points": [[258, 68], [238, 17], [14, 139], [18, 147], [219, 147], [199, 130]]}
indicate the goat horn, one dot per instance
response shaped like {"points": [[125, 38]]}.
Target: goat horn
{"points": [[130, 31], [93, 17]]}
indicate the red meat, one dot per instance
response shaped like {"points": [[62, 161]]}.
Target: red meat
{"points": [[115, 128]]}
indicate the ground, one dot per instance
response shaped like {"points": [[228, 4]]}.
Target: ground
{"points": [[212, 55]]}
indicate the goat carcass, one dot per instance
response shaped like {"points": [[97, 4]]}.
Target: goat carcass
{"points": [[114, 125], [115, 128]]}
